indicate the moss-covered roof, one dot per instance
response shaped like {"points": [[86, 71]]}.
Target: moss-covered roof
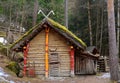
{"points": [[53, 23], [66, 30], [24, 35]]}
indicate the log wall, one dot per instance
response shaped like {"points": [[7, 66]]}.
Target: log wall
{"points": [[57, 45], [36, 54], [85, 65]]}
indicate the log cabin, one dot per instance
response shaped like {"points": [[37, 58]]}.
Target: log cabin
{"points": [[51, 50]]}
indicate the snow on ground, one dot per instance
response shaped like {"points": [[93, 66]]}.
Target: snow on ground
{"points": [[2, 40], [105, 75], [3, 75]]}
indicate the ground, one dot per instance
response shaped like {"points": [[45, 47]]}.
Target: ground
{"points": [[6, 76]]}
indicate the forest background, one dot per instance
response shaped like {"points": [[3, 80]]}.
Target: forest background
{"points": [[86, 18]]}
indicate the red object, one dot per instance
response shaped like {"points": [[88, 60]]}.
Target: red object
{"points": [[25, 60], [25, 51], [31, 72], [24, 70], [72, 61]]}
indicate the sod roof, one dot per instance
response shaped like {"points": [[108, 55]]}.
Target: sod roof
{"points": [[52, 24]]}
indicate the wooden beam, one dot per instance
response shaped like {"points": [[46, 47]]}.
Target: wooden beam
{"points": [[46, 51], [72, 61], [25, 50]]}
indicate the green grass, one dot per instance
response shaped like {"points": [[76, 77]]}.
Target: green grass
{"points": [[3, 49], [2, 34]]}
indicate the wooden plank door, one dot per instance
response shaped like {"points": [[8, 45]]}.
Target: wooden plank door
{"points": [[54, 64]]}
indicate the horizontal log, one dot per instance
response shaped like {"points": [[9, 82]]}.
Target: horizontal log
{"points": [[36, 52], [58, 45], [36, 41], [36, 62], [43, 52], [40, 36], [39, 72], [61, 52], [36, 44], [40, 65], [64, 70], [36, 57], [64, 53], [64, 74], [39, 69], [65, 60], [59, 48], [36, 48], [65, 56], [64, 67], [39, 39]]}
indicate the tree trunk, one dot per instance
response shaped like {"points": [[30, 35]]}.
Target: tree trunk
{"points": [[22, 18], [102, 25], [66, 13], [118, 23], [89, 21], [10, 16], [113, 51], [35, 12], [97, 27]]}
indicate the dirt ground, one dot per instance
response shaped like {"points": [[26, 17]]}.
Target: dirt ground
{"points": [[12, 78]]}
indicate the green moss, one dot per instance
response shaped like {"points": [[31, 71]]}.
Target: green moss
{"points": [[67, 31], [19, 54], [2, 34], [13, 66], [23, 36], [3, 49]]}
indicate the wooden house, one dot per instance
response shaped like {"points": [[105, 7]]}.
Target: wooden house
{"points": [[50, 49]]}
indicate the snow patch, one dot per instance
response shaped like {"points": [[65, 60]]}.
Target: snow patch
{"points": [[105, 75], [2, 73], [2, 40], [56, 78], [12, 82], [3, 80], [2, 77]]}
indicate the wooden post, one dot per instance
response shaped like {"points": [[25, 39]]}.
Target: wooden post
{"points": [[72, 61], [46, 52], [25, 50]]}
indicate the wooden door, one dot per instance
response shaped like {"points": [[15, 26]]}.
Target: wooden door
{"points": [[54, 64]]}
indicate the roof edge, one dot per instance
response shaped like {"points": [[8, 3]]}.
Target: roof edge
{"points": [[66, 30]]}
